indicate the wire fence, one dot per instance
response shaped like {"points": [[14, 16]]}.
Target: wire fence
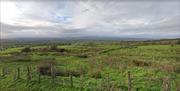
{"points": [[106, 84]]}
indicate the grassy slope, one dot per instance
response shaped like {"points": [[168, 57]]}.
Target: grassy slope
{"points": [[163, 60]]}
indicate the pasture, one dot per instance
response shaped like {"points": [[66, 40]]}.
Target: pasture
{"points": [[91, 66]]}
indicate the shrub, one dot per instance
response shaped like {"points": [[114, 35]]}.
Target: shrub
{"points": [[43, 54], [63, 72], [172, 45], [61, 50], [73, 73], [20, 58], [26, 49], [178, 42], [44, 67]]}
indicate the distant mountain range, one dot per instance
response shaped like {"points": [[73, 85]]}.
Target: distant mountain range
{"points": [[79, 38], [87, 38]]}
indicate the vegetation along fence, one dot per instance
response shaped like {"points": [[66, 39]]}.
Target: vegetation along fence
{"points": [[28, 74]]}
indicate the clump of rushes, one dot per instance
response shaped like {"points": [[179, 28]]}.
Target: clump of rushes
{"points": [[95, 74], [82, 55], [140, 63]]}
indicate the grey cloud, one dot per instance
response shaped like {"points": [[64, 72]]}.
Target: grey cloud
{"points": [[7, 28], [103, 18], [164, 28]]}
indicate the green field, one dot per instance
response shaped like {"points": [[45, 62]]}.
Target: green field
{"points": [[99, 67]]}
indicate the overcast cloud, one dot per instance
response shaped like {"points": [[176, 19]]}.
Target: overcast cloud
{"points": [[58, 19]]}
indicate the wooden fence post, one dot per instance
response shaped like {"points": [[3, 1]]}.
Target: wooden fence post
{"points": [[101, 88], [129, 81], [28, 73], [71, 79], [113, 88], [81, 83], [39, 77], [166, 84], [4, 71], [108, 82], [52, 73], [18, 73], [14, 75]]}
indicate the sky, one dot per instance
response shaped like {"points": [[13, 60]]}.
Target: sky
{"points": [[57, 19]]}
